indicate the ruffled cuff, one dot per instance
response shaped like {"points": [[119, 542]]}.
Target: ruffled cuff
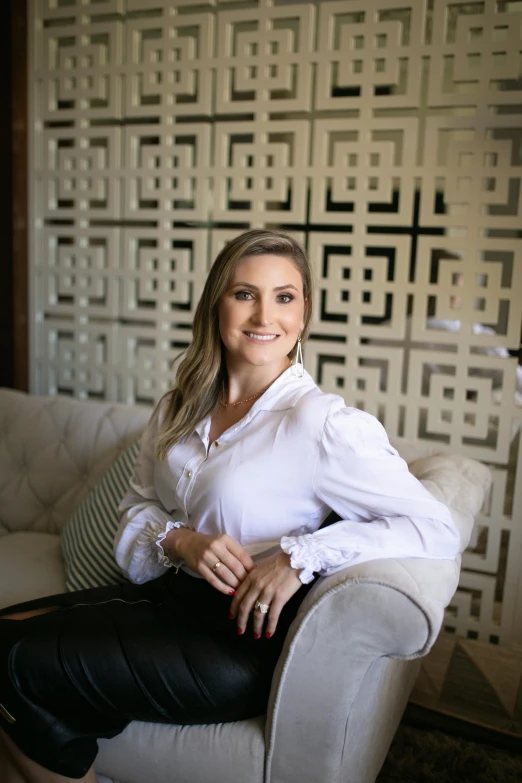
{"points": [[162, 557], [304, 555]]}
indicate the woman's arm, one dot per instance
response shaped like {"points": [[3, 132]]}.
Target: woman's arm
{"points": [[144, 521], [149, 539], [385, 511]]}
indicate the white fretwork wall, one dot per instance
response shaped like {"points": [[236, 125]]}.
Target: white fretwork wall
{"points": [[386, 134]]}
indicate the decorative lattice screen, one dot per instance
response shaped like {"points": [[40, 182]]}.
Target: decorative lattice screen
{"points": [[386, 135]]}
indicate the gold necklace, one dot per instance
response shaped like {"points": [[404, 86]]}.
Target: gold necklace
{"points": [[240, 402]]}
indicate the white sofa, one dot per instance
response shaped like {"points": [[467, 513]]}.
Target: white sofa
{"points": [[351, 655]]}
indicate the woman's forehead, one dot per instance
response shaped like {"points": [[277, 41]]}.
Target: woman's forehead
{"points": [[264, 265]]}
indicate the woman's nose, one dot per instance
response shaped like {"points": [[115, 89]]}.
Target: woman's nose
{"points": [[263, 312]]}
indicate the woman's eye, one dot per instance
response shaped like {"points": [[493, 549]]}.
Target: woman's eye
{"points": [[245, 296]]}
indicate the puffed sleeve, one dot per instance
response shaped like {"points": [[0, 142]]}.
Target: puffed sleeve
{"points": [[385, 511], [144, 521]]}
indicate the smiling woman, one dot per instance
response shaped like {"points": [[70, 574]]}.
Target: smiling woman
{"points": [[239, 466], [260, 320], [259, 281]]}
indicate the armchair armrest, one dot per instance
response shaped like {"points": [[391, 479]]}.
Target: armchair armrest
{"points": [[459, 482], [347, 666], [381, 609]]}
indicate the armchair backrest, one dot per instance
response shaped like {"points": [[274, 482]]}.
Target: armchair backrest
{"points": [[52, 451]]}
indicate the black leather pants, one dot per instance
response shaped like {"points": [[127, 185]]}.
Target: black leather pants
{"points": [[164, 651]]}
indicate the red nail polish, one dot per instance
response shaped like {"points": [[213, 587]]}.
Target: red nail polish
{"points": [[231, 616], [268, 635], [232, 592], [256, 636], [239, 631]]}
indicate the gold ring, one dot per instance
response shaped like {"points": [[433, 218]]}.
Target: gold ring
{"points": [[217, 565]]}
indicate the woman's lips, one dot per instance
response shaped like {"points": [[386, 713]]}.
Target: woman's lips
{"points": [[259, 341]]}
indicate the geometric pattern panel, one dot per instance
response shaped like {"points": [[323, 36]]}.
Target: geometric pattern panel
{"points": [[385, 135]]}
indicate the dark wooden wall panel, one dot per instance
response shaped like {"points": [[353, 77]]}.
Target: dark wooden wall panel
{"points": [[20, 175], [6, 212]]}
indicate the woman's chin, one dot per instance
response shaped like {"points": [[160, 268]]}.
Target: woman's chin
{"points": [[257, 359]]}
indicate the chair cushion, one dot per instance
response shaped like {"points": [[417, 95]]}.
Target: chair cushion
{"points": [[210, 753], [88, 536], [31, 566]]}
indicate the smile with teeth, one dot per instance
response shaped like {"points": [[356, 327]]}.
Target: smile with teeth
{"points": [[261, 337]]}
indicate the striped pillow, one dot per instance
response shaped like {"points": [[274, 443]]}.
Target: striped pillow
{"points": [[88, 536]]}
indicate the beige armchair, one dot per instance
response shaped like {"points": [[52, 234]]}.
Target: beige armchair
{"points": [[350, 658]]}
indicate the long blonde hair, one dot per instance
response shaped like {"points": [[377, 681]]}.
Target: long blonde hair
{"points": [[202, 372]]}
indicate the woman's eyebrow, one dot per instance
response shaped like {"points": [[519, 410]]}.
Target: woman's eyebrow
{"points": [[277, 288]]}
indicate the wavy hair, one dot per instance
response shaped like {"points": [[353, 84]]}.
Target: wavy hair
{"points": [[202, 373]]}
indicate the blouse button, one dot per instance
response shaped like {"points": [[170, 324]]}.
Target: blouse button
{"points": [[216, 443], [189, 473]]}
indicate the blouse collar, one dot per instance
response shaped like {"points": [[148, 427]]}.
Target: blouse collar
{"points": [[281, 395]]}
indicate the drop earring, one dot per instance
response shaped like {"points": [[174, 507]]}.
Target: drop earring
{"points": [[299, 372]]}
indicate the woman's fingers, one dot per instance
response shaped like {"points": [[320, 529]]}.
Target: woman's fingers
{"points": [[244, 558], [271, 618], [245, 606], [227, 550], [241, 591], [272, 583], [223, 573], [212, 579], [229, 562], [275, 605], [202, 553], [258, 617]]}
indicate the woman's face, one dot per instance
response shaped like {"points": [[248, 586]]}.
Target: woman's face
{"points": [[262, 311]]}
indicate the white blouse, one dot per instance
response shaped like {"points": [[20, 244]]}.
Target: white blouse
{"points": [[270, 480]]}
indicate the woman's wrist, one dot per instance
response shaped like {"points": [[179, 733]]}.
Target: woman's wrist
{"points": [[175, 541]]}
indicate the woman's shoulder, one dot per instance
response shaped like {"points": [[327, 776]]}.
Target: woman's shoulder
{"points": [[315, 401], [326, 415], [312, 409]]}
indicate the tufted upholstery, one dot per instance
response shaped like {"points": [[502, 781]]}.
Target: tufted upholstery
{"points": [[370, 622], [79, 440]]}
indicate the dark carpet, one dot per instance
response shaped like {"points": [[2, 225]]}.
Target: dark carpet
{"points": [[424, 756]]}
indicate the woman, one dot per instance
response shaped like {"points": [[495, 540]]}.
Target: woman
{"points": [[239, 466]]}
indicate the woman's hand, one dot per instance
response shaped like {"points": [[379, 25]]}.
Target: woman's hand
{"points": [[201, 552], [272, 582]]}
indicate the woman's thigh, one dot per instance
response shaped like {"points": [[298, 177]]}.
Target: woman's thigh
{"points": [[136, 660]]}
